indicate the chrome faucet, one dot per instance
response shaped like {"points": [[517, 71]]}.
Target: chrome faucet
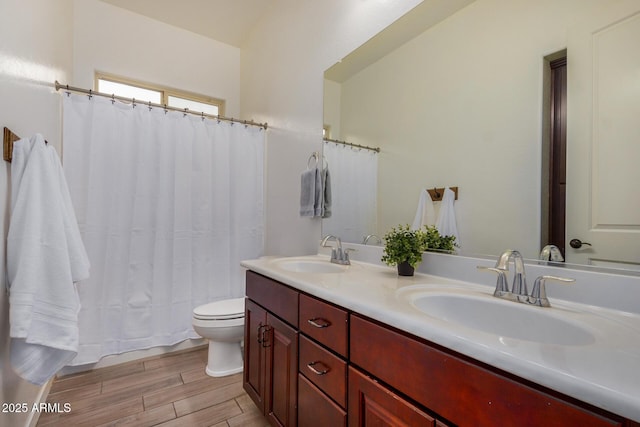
{"points": [[519, 286], [371, 236], [551, 253], [338, 256], [519, 291]]}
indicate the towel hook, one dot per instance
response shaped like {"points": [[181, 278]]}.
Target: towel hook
{"points": [[435, 190]]}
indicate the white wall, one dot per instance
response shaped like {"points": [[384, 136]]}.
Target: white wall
{"points": [[117, 41], [463, 107], [331, 107], [282, 83], [35, 50]]}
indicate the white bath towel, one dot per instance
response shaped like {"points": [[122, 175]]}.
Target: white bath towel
{"points": [[307, 192], [425, 213], [45, 256], [446, 223]]}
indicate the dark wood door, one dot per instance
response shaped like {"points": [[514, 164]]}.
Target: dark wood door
{"points": [[281, 373], [558, 154], [255, 353]]}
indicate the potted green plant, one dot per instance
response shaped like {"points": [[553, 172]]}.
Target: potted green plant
{"points": [[404, 246]]}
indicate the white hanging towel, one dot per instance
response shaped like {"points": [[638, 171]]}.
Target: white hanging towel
{"points": [[426, 212], [446, 223], [45, 256]]}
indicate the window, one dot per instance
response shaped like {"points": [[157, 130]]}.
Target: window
{"points": [[145, 92], [326, 131]]}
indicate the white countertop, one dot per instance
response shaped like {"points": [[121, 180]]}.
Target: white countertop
{"points": [[604, 372]]}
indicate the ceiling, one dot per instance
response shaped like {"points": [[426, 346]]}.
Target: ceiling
{"points": [[228, 21], [422, 17], [231, 22]]}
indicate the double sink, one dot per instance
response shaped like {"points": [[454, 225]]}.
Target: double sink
{"points": [[472, 307]]}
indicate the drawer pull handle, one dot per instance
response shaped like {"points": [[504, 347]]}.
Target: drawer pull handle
{"points": [[319, 322], [311, 366]]}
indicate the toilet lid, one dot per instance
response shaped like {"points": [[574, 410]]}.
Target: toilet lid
{"points": [[224, 309]]}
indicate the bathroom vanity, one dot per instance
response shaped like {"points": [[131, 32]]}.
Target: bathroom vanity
{"points": [[329, 345]]}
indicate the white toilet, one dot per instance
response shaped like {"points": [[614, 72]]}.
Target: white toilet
{"points": [[222, 323]]}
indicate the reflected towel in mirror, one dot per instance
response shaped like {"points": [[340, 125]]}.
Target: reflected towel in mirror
{"points": [[425, 213], [446, 223]]}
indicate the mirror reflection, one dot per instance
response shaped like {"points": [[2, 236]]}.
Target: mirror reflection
{"points": [[466, 99]]}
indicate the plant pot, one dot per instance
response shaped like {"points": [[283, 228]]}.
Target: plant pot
{"points": [[405, 269]]}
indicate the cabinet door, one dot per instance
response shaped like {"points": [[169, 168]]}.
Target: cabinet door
{"points": [[315, 409], [282, 373], [254, 352], [371, 404]]}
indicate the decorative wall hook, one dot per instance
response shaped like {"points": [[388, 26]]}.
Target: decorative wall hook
{"points": [[8, 139], [437, 193]]}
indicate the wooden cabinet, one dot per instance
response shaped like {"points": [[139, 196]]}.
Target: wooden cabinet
{"points": [[460, 390], [311, 363], [271, 349]]}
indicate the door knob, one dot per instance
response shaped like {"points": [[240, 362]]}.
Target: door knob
{"points": [[577, 243]]}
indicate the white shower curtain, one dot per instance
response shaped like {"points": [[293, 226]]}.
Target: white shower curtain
{"points": [[168, 204], [354, 187]]}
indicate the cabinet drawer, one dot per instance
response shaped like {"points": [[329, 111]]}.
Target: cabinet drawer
{"points": [[274, 296], [372, 404], [316, 409], [325, 323], [324, 369], [457, 389]]}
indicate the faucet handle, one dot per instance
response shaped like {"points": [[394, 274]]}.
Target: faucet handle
{"points": [[539, 292], [502, 285], [346, 253]]}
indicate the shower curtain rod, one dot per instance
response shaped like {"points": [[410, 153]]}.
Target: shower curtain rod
{"points": [[365, 147], [149, 104]]}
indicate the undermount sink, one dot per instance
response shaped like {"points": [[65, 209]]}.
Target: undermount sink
{"points": [[310, 266], [503, 318]]}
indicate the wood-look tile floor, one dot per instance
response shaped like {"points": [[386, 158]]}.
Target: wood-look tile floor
{"points": [[170, 390]]}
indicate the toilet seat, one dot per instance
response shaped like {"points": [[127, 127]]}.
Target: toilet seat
{"points": [[220, 310]]}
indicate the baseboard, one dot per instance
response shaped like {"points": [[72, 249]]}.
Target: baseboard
{"points": [[118, 359], [34, 416]]}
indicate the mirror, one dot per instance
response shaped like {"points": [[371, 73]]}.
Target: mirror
{"points": [[453, 95]]}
